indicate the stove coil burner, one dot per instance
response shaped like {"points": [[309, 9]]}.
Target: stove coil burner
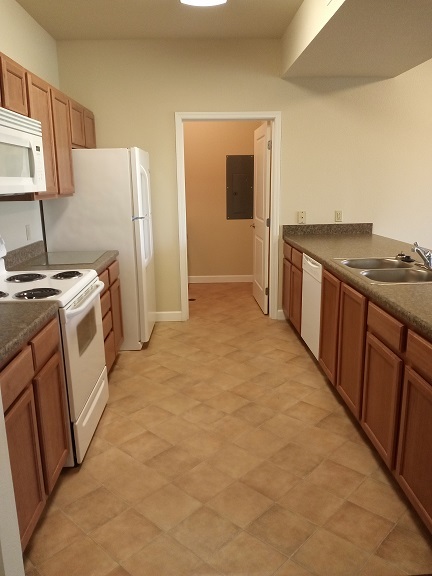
{"points": [[26, 277], [67, 274], [3, 294], [37, 293]]}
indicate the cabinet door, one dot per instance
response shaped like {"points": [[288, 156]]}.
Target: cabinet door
{"points": [[352, 322], [89, 129], [414, 465], [40, 109], [63, 143], [110, 353], [13, 86], [50, 397], [381, 397], [25, 461], [76, 112], [116, 312], [286, 284], [330, 293], [296, 297]]}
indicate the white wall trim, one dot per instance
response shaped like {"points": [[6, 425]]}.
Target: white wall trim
{"points": [[276, 121], [218, 279], [173, 316]]}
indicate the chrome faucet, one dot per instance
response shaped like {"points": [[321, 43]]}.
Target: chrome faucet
{"points": [[424, 253]]}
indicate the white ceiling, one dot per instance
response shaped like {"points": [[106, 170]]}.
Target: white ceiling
{"points": [[121, 19]]}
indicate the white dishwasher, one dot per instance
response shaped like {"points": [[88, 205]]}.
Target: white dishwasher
{"points": [[311, 303]]}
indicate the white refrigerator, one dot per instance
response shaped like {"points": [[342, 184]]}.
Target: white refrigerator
{"points": [[111, 210]]}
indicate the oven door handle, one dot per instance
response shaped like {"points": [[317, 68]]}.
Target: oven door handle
{"points": [[97, 289]]}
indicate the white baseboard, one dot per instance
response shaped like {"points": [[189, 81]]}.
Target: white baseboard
{"points": [[280, 315], [218, 279], [174, 316]]}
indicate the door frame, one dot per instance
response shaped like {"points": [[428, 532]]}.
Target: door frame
{"points": [[275, 119]]}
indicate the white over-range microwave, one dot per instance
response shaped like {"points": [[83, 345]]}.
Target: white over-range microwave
{"points": [[22, 167]]}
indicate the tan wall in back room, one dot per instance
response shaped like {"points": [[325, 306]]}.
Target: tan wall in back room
{"points": [[216, 246]]}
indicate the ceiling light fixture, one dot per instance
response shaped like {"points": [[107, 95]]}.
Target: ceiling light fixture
{"points": [[203, 2]]}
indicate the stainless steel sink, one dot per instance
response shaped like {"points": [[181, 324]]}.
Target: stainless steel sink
{"points": [[399, 275], [375, 263]]}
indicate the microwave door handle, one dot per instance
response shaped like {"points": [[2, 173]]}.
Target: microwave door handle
{"points": [[99, 286]]}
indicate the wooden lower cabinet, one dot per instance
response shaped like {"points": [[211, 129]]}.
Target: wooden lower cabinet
{"points": [[112, 318], [381, 397], [117, 317], [292, 286], [34, 394], [286, 285], [296, 297], [351, 343], [329, 325], [25, 462], [50, 395], [414, 464]]}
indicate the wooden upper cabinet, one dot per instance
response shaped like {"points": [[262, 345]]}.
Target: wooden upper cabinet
{"points": [[63, 142], [13, 86], [82, 126], [76, 112], [89, 129], [39, 98]]}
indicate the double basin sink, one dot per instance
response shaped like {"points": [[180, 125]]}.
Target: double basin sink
{"points": [[389, 270]]}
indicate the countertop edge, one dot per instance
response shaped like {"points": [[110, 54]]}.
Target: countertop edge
{"points": [[404, 302]]}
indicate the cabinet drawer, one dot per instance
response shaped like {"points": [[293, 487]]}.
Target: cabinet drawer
{"points": [[107, 324], [15, 377], [287, 251], [105, 303], [419, 355], [386, 328], [113, 271], [297, 258], [45, 344], [104, 277]]}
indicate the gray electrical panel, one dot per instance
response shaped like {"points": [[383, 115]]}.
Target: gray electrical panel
{"points": [[239, 187]]}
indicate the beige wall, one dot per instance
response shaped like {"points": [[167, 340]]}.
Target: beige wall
{"points": [[347, 144], [216, 246], [23, 40]]}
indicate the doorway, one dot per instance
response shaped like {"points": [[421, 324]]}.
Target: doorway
{"points": [[274, 119]]}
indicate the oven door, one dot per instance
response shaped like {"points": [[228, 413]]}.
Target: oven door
{"points": [[83, 346]]}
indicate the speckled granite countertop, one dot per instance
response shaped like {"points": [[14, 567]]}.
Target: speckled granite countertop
{"points": [[20, 321], [410, 303]]}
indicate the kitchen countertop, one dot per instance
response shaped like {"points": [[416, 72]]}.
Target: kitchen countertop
{"points": [[20, 321], [407, 302]]}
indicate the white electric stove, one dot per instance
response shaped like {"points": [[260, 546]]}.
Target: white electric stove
{"points": [[77, 293]]}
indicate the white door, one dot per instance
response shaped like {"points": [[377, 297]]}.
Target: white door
{"points": [[262, 159], [143, 233]]}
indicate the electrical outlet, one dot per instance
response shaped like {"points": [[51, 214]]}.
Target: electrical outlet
{"points": [[338, 216], [28, 231], [301, 217]]}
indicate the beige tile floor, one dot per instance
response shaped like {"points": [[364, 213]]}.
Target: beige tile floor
{"points": [[223, 450]]}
